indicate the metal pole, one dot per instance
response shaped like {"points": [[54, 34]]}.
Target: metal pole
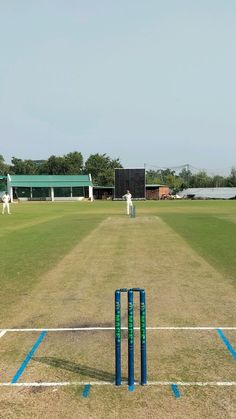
{"points": [[130, 339], [143, 341]]}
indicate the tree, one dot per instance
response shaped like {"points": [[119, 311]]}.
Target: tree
{"points": [[153, 177], [54, 166], [231, 180], [23, 167], [174, 182], [186, 176], [201, 180], [74, 162], [101, 167], [69, 164], [4, 168], [218, 181]]}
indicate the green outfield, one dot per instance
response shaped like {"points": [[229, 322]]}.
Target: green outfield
{"points": [[60, 266]]}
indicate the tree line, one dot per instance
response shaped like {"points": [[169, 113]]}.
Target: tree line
{"points": [[187, 179], [101, 167]]}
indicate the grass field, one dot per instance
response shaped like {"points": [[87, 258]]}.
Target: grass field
{"points": [[60, 265]]}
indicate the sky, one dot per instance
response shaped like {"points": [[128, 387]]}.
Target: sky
{"points": [[150, 82]]}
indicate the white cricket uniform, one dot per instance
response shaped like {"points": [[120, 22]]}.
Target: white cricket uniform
{"points": [[129, 202], [6, 199]]}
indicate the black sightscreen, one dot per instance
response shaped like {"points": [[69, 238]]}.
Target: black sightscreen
{"points": [[132, 180]]}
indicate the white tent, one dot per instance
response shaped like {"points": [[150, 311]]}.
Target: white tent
{"points": [[209, 193]]}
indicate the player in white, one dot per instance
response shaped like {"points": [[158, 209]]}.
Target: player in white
{"points": [[6, 199], [129, 202]]}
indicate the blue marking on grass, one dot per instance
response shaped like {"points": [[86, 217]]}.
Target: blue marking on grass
{"points": [[131, 388], [28, 358], [86, 390], [226, 342], [175, 391]]}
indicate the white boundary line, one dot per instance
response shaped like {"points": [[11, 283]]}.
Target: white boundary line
{"points": [[75, 329], [106, 383], [2, 333]]}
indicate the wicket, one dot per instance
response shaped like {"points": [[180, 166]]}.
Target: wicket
{"points": [[132, 211], [130, 295]]}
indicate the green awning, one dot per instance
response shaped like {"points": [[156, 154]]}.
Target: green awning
{"points": [[47, 181]]}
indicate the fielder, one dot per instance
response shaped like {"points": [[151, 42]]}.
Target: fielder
{"points": [[129, 202], [6, 199]]}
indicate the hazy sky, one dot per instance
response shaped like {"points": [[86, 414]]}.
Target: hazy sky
{"points": [[146, 81]]}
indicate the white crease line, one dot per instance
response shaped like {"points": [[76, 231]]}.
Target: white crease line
{"points": [[192, 328], [75, 329], [56, 384], [193, 383], [105, 383], [2, 333]]}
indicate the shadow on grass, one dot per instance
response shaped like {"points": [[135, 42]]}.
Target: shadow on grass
{"points": [[83, 370]]}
